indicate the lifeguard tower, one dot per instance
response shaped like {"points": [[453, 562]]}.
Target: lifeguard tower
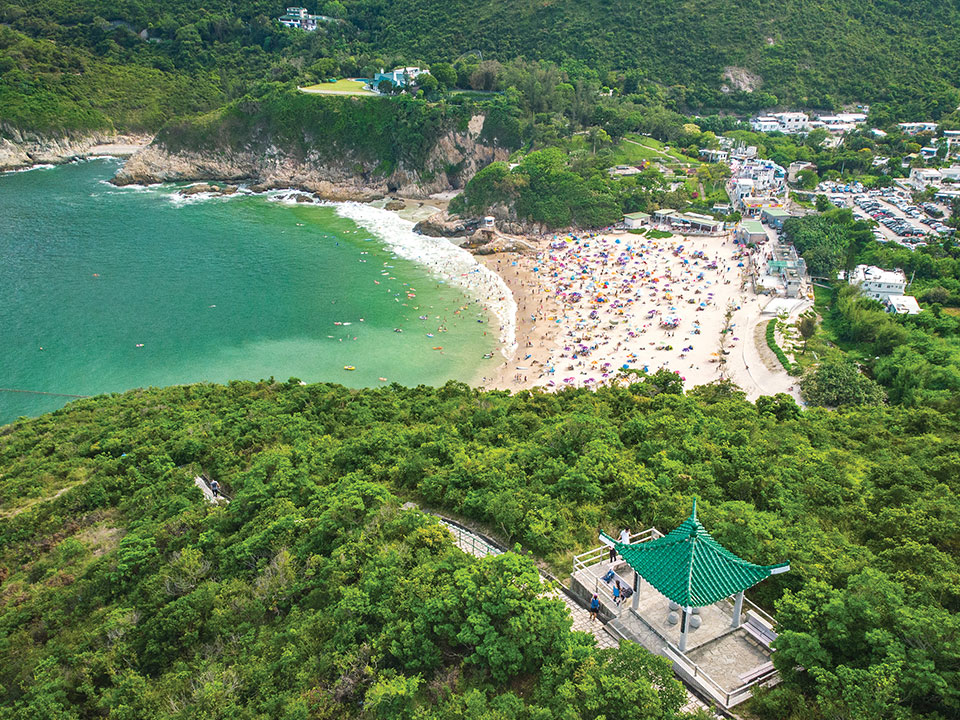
{"points": [[687, 604]]}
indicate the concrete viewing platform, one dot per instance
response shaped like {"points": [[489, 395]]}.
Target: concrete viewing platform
{"points": [[726, 656]]}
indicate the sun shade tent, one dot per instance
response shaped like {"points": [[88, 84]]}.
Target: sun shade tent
{"points": [[691, 568]]}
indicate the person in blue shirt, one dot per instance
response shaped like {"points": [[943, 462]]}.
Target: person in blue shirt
{"points": [[616, 593], [594, 607]]}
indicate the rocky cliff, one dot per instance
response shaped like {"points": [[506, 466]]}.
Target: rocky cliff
{"points": [[451, 161], [20, 149]]}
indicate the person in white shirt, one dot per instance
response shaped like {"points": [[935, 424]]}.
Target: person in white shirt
{"points": [[625, 536]]}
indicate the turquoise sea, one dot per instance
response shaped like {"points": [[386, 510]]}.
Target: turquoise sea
{"points": [[104, 289]]}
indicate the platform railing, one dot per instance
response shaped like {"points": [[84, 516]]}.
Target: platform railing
{"points": [[600, 554], [698, 676]]}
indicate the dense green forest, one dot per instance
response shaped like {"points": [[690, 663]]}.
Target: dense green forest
{"points": [[133, 65], [313, 594]]}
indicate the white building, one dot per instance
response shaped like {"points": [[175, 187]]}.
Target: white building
{"points": [[298, 17], [878, 283], [714, 156], [921, 178], [793, 122], [398, 77], [636, 220], [765, 123], [912, 128], [903, 305], [950, 174]]}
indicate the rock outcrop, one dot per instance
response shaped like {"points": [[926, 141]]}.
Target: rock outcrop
{"points": [[20, 149], [442, 225], [450, 163]]}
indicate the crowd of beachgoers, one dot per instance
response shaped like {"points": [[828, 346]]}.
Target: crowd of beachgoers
{"points": [[593, 305]]}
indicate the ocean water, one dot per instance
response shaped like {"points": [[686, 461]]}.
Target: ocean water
{"points": [[104, 289]]}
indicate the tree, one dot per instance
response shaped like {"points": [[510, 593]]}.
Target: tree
{"points": [[836, 382], [807, 325], [823, 204], [486, 76], [445, 74], [598, 137], [428, 83], [335, 9]]}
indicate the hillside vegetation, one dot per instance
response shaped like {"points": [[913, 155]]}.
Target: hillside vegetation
{"points": [[386, 132], [313, 595], [139, 63], [804, 52]]}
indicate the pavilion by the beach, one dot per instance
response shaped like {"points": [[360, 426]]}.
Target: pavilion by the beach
{"points": [[687, 604]]}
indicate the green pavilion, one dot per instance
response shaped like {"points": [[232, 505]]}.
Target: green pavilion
{"points": [[686, 602]]}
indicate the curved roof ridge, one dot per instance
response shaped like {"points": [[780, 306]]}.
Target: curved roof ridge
{"points": [[691, 568]]}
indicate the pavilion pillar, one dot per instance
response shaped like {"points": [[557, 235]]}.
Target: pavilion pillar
{"points": [[737, 609], [636, 590], [684, 628]]}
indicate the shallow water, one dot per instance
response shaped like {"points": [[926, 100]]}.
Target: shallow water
{"points": [[104, 289]]}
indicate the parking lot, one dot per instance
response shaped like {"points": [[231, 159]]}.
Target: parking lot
{"points": [[898, 218]]}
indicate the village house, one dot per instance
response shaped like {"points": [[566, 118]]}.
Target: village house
{"points": [[903, 305], [878, 283], [714, 156], [912, 128], [298, 17], [398, 77], [921, 178]]}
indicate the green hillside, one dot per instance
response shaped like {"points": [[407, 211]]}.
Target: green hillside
{"points": [[813, 53], [313, 594], [141, 62]]}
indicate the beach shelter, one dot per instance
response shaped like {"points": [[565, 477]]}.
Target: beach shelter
{"points": [[692, 569]]}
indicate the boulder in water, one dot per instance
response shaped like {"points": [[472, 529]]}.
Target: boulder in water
{"points": [[197, 189]]}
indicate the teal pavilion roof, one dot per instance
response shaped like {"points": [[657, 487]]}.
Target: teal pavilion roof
{"points": [[690, 567]]}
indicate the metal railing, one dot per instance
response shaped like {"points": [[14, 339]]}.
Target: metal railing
{"points": [[469, 542], [600, 555]]}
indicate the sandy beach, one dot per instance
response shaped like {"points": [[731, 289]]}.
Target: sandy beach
{"points": [[591, 305]]}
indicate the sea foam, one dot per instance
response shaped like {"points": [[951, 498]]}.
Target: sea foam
{"points": [[443, 258]]}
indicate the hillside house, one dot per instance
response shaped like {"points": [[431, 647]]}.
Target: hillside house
{"points": [[878, 283], [921, 178], [912, 128], [398, 77], [298, 17]]}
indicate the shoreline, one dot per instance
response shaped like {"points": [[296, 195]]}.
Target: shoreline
{"points": [[25, 155], [546, 324]]}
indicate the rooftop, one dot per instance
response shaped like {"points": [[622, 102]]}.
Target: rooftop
{"points": [[753, 226], [691, 568], [872, 273]]}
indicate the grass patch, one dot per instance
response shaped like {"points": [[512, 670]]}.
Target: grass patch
{"points": [[659, 234], [638, 232], [340, 87]]}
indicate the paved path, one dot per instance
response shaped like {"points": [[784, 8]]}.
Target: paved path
{"points": [[208, 493]]}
